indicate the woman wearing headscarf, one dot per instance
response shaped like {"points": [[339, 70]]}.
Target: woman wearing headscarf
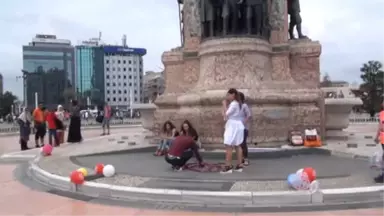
{"points": [[74, 130], [61, 117], [24, 121]]}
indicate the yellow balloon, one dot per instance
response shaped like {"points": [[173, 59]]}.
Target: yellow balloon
{"points": [[84, 171]]}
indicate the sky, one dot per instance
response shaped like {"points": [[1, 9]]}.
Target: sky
{"points": [[351, 31]]}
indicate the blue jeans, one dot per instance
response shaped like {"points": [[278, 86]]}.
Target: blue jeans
{"points": [[164, 144], [53, 133]]}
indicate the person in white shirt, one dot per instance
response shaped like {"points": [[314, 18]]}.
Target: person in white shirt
{"points": [[234, 131], [246, 115]]}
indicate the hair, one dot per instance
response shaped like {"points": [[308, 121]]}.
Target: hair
{"points": [[191, 131], [74, 103], [237, 95], [165, 126], [242, 97]]}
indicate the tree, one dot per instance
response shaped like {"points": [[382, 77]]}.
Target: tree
{"points": [[7, 100], [371, 90], [326, 81]]}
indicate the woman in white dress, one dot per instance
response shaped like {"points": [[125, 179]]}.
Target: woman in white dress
{"points": [[234, 131]]}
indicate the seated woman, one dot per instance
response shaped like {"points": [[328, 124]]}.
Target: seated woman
{"points": [[182, 149], [168, 133], [188, 130]]}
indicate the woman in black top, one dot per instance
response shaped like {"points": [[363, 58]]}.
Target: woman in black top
{"points": [[74, 131]]}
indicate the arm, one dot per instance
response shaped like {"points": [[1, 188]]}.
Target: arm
{"points": [[379, 129], [195, 151], [231, 109], [247, 112], [174, 132]]}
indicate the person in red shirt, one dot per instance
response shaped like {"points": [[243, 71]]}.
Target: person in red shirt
{"points": [[52, 127], [181, 150]]}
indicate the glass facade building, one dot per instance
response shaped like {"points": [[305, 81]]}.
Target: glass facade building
{"points": [[49, 71], [90, 73]]}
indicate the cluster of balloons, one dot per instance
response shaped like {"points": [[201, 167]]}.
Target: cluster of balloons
{"points": [[376, 161], [304, 179], [77, 176], [46, 150]]}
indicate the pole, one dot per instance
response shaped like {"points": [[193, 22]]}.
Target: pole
{"points": [[180, 25], [131, 102], [36, 99]]}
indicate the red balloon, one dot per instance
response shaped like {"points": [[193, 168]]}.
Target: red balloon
{"points": [[311, 173], [99, 168], [77, 177]]}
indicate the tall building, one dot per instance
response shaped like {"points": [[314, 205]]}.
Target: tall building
{"points": [[90, 71], [1, 84], [48, 70], [154, 85], [123, 74]]}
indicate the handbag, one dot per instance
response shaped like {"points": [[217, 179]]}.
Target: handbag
{"points": [[59, 124], [99, 118]]}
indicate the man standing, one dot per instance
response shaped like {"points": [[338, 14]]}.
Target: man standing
{"points": [[39, 118], [295, 19], [106, 118]]}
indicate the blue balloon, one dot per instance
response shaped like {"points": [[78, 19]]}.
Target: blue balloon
{"points": [[294, 180]]}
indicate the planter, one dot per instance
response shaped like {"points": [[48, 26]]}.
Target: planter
{"points": [[337, 112]]}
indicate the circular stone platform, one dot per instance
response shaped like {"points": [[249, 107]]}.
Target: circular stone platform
{"points": [[272, 168]]}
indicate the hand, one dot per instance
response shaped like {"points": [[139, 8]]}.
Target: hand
{"points": [[224, 103], [376, 140]]}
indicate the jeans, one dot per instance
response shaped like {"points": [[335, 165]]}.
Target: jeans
{"points": [[53, 133], [244, 146], [179, 161], [164, 144]]}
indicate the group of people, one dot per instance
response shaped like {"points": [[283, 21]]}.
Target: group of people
{"points": [[53, 119], [179, 146]]}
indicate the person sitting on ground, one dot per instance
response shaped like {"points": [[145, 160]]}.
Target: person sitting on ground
{"points": [[182, 149], [187, 129], [168, 133]]}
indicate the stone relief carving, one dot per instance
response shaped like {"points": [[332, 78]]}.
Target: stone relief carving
{"points": [[191, 14], [277, 15]]}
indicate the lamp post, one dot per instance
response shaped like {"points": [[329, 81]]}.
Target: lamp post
{"points": [[24, 77]]}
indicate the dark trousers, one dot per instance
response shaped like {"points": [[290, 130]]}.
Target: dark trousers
{"points": [[40, 131], [179, 161], [53, 133], [23, 144], [244, 146]]}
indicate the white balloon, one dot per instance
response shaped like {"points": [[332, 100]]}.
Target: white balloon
{"points": [[314, 186], [108, 170], [300, 171]]}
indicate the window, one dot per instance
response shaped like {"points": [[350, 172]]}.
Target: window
{"points": [[107, 69], [118, 69], [141, 70], [114, 84], [119, 99], [107, 84], [107, 91], [118, 77], [107, 61], [129, 69], [124, 62], [124, 69], [118, 61], [135, 99], [125, 91], [125, 77], [125, 99], [119, 91], [134, 69], [114, 92], [130, 84], [108, 99], [135, 92], [113, 69], [113, 77], [130, 77], [107, 76], [114, 99], [129, 62], [125, 84]]}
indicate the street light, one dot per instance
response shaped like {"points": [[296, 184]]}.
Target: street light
{"points": [[24, 77]]}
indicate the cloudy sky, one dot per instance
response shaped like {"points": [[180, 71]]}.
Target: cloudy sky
{"points": [[351, 31]]}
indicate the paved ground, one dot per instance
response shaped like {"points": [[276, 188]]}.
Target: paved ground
{"points": [[18, 199]]}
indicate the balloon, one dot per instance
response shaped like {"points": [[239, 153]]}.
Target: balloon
{"points": [[314, 186], [77, 177], [83, 171], [299, 171], [108, 171], [297, 182], [311, 173], [291, 179], [376, 161], [99, 168], [47, 150]]}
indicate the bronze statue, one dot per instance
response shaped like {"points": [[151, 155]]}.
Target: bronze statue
{"points": [[207, 18], [231, 16], [295, 19], [255, 16]]}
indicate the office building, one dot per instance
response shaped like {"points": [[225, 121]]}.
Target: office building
{"points": [[1, 84], [48, 70], [123, 75], [90, 71], [154, 85]]}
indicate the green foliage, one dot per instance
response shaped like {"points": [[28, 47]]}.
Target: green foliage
{"points": [[371, 90], [6, 102], [326, 81]]}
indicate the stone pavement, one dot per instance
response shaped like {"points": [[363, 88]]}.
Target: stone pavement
{"points": [[18, 199]]}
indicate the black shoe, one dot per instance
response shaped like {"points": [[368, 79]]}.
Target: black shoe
{"points": [[37, 146], [238, 168], [379, 179], [227, 169]]}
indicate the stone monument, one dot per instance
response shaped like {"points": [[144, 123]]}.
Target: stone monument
{"points": [[242, 44]]}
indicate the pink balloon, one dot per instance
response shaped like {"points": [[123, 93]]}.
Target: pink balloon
{"points": [[47, 149]]}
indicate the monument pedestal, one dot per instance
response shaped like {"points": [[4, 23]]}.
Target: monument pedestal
{"points": [[269, 75]]}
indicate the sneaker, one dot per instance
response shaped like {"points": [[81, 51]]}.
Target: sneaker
{"points": [[245, 162], [379, 179], [177, 169], [238, 168], [226, 169]]}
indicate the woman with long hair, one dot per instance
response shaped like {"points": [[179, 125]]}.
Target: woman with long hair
{"points": [[168, 133], [187, 129], [234, 131], [60, 117], [246, 115], [24, 120], [74, 131]]}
